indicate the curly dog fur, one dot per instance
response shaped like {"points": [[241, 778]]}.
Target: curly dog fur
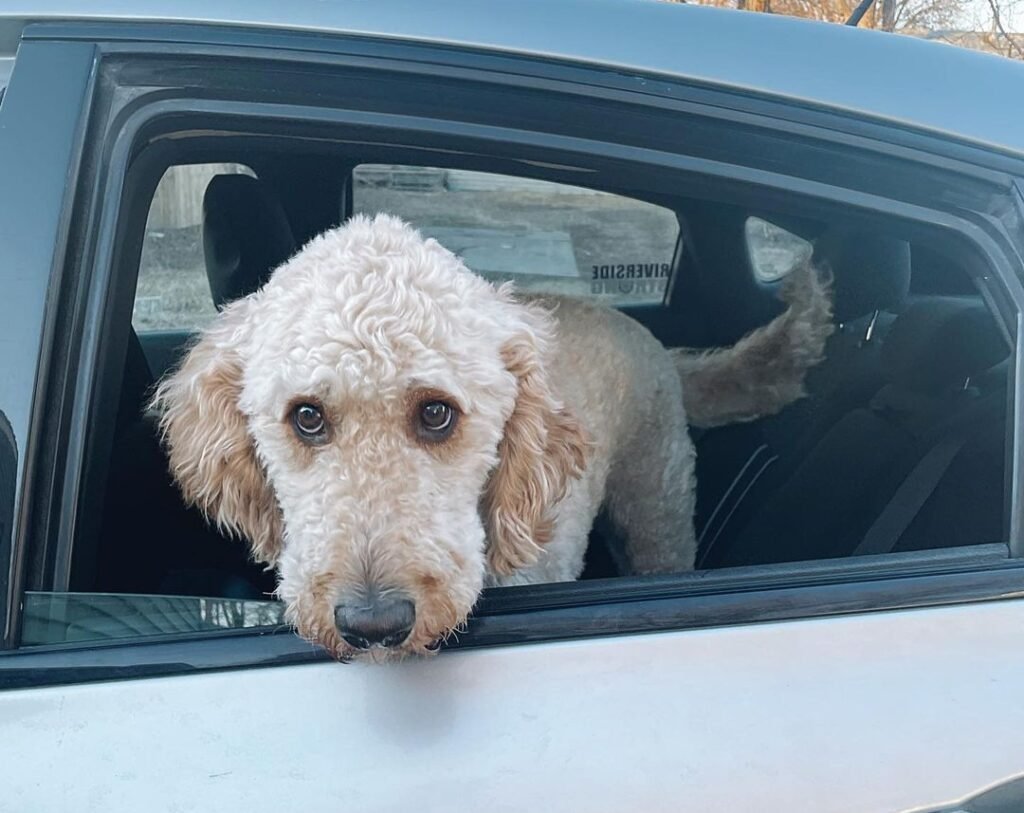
{"points": [[561, 407]]}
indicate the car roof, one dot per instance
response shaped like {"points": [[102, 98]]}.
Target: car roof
{"points": [[928, 85]]}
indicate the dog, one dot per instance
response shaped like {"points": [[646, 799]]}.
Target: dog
{"points": [[392, 432]]}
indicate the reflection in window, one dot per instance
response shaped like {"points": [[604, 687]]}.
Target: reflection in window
{"points": [[58, 618]]}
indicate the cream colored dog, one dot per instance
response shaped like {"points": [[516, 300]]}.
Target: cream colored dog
{"points": [[392, 432]]}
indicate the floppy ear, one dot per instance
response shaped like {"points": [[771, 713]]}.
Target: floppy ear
{"points": [[542, 449], [212, 456]]}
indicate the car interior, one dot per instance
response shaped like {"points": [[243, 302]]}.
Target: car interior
{"points": [[900, 443]]}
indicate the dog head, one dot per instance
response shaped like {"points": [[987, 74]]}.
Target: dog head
{"points": [[378, 422]]}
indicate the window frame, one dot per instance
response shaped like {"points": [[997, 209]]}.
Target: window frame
{"points": [[38, 238], [548, 612]]}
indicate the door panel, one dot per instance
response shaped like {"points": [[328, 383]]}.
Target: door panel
{"points": [[884, 712]]}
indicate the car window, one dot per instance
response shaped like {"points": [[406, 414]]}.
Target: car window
{"points": [[546, 237], [773, 251], [173, 291], [139, 538]]}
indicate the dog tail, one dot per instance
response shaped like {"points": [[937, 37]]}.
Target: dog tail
{"points": [[765, 370]]}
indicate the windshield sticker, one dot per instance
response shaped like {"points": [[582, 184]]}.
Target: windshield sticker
{"points": [[631, 287], [631, 271]]}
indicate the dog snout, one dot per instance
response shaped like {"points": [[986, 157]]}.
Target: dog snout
{"points": [[375, 619]]}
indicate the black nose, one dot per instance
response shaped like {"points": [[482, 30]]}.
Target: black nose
{"points": [[384, 620]]}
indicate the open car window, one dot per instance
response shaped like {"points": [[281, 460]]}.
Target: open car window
{"points": [[546, 237]]}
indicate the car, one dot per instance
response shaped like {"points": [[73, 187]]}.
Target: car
{"points": [[851, 637]]}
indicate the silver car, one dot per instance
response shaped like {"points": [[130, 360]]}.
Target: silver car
{"points": [[853, 638]]}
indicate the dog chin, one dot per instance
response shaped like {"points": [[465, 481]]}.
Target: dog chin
{"points": [[379, 654]]}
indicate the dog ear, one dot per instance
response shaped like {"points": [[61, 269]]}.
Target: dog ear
{"points": [[542, 449], [212, 456]]}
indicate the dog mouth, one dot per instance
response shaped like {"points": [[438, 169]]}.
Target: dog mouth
{"points": [[345, 653]]}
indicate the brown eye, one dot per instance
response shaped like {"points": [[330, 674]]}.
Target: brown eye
{"points": [[309, 422], [437, 419]]}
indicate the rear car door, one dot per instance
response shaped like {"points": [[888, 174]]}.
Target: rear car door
{"points": [[883, 683]]}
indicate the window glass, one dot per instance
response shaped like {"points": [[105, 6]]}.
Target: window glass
{"points": [[774, 252], [59, 618], [173, 291], [546, 237]]}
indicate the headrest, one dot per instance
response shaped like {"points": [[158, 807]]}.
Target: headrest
{"points": [[871, 271], [246, 235], [938, 343]]}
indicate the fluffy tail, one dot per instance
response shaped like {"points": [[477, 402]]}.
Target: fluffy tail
{"points": [[764, 371]]}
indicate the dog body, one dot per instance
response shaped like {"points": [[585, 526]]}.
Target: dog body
{"points": [[623, 391], [392, 432]]}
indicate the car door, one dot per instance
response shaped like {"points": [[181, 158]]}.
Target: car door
{"points": [[884, 683]]}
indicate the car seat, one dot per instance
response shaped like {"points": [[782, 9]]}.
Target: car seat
{"points": [[931, 425], [738, 466], [150, 541]]}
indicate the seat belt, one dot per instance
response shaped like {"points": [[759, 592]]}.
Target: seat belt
{"points": [[910, 497], [704, 548]]}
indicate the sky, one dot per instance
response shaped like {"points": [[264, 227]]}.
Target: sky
{"points": [[977, 11]]}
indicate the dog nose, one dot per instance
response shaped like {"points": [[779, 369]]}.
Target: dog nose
{"points": [[384, 620]]}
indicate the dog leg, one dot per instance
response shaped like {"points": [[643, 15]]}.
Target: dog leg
{"points": [[652, 495]]}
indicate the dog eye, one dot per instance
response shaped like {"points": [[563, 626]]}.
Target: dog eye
{"points": [[437, 419], [309, 422]]}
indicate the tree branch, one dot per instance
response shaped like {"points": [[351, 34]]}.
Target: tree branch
{"points": [[1012, 48]]}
